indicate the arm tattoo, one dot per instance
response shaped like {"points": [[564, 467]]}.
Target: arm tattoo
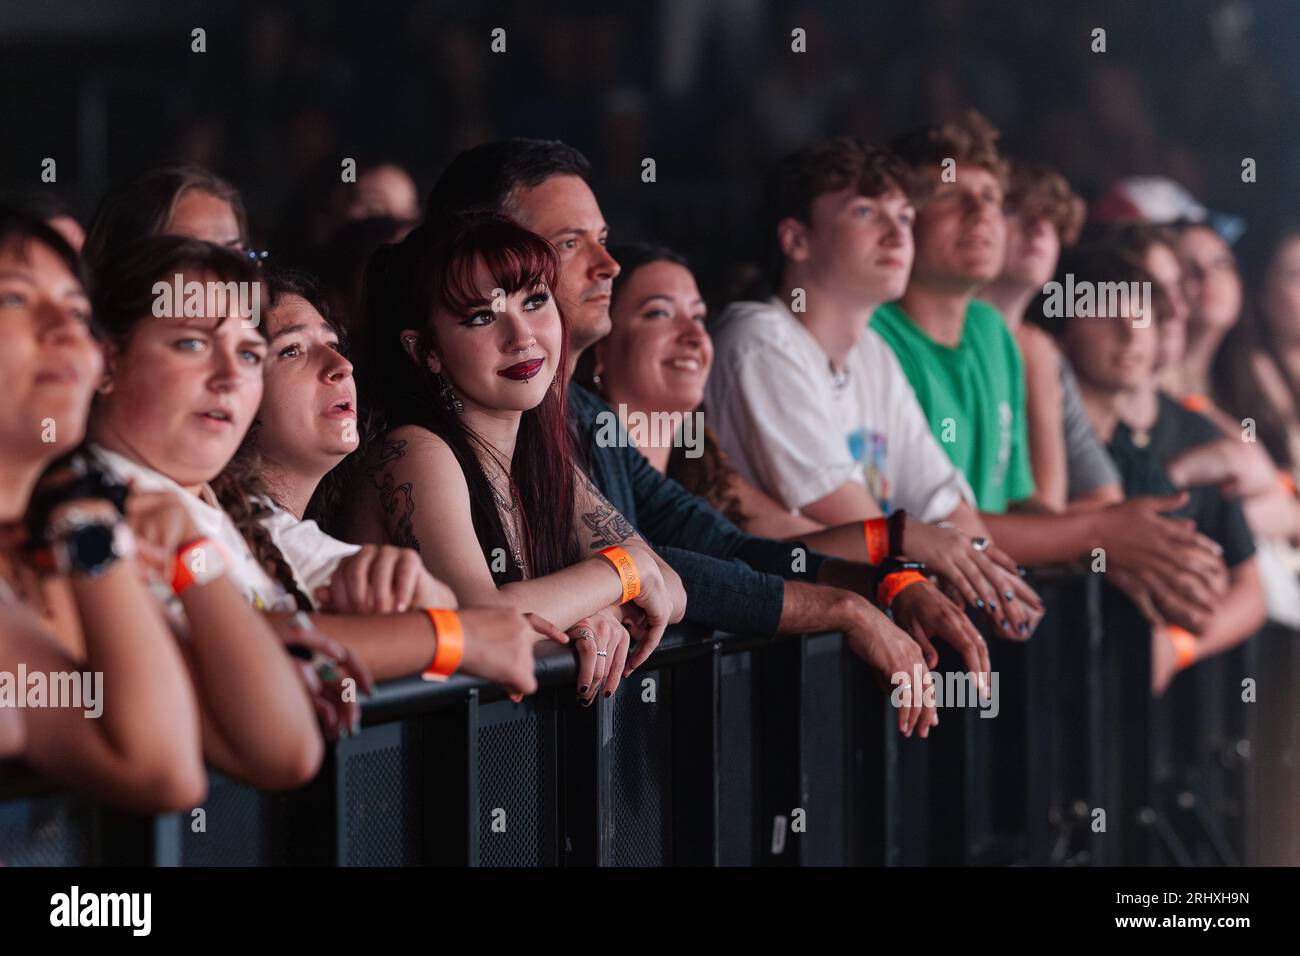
{"points": [[396, 500], [606, 523]]}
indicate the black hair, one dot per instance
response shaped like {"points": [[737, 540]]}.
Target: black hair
{"points": [[44, 204], [123, 289], [326, 506], [826, 166], [22, 226], [483, 177]]}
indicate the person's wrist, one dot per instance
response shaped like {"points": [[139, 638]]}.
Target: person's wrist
{"points": [[448, 644], [625, 566], [196, 562], [846, 610], [85, 543]]}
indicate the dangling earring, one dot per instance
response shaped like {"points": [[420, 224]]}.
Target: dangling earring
{"points": [[449, 396]]}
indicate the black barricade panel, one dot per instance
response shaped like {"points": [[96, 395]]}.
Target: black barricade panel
{"points": [[736, 761], [819, 830], [47, 831], [381, 809], [781, 752], [237, 826], [640, 762], [517, 799]]}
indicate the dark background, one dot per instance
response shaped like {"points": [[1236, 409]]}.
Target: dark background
{"points": [[709, 88]]}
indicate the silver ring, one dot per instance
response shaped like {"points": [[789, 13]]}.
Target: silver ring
{"points": [[602, 654], [584, 637], [945, 524], [979, 544]]}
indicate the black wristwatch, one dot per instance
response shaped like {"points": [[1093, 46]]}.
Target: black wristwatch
{"points": [[88, 544], [892, 565], [87, 481]]}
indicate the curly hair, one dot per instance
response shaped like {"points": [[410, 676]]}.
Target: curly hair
{"points": [[245, 497], [971, 141], [1036, 190]]}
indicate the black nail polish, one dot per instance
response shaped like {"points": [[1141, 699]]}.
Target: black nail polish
{"points": [[979, 604], [1024, 628], [1009, 596], [993, 605], [608, 693], [1006, 625], [583, 689]]}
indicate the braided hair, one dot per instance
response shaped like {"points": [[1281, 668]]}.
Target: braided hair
{"points": [[245, 496]]}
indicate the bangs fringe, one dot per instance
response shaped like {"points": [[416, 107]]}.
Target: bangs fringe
{"points": [[515, 259]]}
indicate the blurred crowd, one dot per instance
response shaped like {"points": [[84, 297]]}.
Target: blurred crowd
{"points": [[256, 462]]}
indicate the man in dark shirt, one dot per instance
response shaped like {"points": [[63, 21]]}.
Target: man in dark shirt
{"points": [[1142, 454], [1114, 357]]}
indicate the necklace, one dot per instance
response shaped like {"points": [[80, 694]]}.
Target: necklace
{"points": [[510, 508], [840, 379]]}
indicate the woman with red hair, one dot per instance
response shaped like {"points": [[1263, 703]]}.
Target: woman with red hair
{"points": [[475, 468]]}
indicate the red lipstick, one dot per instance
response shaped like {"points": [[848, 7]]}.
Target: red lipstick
{"points": [[522, 371]]}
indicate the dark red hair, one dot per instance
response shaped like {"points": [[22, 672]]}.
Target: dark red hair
{"points": [[434, 268]]}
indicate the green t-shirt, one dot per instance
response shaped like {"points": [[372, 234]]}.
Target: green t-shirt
{"points": [[973, 396]]}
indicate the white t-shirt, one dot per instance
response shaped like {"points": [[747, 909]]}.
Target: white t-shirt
{"points": [[311, 554], [795, 432]]}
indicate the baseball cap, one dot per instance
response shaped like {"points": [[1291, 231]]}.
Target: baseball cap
{"points": [[1161, 201]]}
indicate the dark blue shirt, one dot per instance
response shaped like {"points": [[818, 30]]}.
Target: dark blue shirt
{"points": [[734, 581]]}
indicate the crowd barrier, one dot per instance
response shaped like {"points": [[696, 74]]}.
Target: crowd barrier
{"points": [[732, 750]]}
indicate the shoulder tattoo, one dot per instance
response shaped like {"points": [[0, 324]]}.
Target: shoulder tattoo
{"points": [[397, 500]]}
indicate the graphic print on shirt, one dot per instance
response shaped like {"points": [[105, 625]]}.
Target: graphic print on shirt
{"points": [[870, 448]]}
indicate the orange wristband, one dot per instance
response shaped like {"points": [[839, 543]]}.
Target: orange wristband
{"points": [[876, 531], [183, 574], [1196, 403], [626, 569], [1184, 646], [450, 647], [894, 583]]}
